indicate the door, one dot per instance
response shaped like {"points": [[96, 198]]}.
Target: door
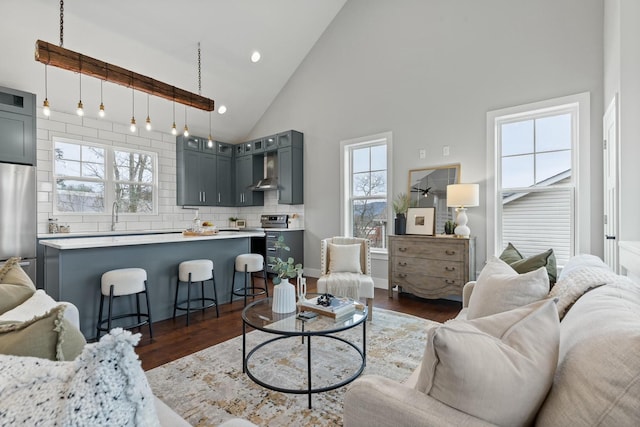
{"points": [[224, 181], [610, 173]]}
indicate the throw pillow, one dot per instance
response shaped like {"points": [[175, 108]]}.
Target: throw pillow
{"points": [[104, 386], [49, 336], [344, 258], [38, 304], [498, 368], [12, 296], [12, 273], [499, 288], [519, 263]]}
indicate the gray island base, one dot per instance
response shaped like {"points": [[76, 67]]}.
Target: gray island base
{"points": [[73, 268]]}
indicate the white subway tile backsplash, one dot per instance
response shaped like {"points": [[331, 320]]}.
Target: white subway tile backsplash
{"points": [[169, 215]]}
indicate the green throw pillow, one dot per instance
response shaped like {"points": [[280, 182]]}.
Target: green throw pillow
{"points": [[546, 259], [12, 296], [12, 273], [49, 336]]}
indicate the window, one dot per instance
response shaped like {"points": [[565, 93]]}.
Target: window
{"points": [[536, 151], [86, 184], [365, 177]]}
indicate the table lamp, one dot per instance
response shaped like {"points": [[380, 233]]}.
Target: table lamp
{"points": [[461, 196]]}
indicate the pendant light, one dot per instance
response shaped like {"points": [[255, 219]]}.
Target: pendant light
{"points": [[186, 128], [80, 110], [210, 141], [133, 110], [174, 131], [46, 110], [101, 110], [148, 121]]}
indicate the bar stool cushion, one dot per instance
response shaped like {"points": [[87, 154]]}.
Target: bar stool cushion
{"points": [[254, 262], [200, 269], [126, 281]]}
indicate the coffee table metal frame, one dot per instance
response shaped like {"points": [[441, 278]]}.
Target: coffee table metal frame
{"points": [[260, 308]]}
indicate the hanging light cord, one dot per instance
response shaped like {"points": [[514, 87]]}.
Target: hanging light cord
{"points": [[199, 72], [45, 81], [61, 22]]}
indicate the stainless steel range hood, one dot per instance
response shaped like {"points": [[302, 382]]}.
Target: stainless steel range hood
{"points": [[270, 176]]}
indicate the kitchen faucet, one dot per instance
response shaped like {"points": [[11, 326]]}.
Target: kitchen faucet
{"points": [[114, 215]]}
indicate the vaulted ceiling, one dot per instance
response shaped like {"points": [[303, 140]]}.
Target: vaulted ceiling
{"points": [[159, 39]]}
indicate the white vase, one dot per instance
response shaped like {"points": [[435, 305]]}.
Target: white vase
{"points": [[284, 297]]}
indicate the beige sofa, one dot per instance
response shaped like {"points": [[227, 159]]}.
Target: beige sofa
{"points": [[596, 380]]}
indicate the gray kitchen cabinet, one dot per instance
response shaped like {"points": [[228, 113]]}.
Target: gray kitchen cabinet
{"points": [[204, 172], [17, 127], [248, 170], [294, 239], [224, 181], [270, 143], [290, 168]]}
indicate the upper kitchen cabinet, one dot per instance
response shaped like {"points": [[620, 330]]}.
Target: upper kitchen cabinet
{"points": [[204, 174], [17, 127], [290, 168], [270, 143], [248, 170]]}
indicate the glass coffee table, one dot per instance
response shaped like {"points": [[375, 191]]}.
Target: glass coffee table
{"points": [[258, 315]]}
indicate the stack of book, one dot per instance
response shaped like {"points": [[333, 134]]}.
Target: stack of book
{"points": [[339, 307]]}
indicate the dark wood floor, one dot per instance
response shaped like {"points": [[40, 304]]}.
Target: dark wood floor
{"points": [[173, 339]]}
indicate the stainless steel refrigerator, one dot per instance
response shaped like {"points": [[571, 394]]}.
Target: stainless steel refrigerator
{"points": [[18, 226]]}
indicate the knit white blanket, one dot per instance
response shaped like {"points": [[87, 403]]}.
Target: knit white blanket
{"points": [[104, 386], [578, 282], [344, 285]]}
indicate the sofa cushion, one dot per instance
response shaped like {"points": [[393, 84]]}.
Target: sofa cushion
{"points": [[522, 264], [104, 386], [49, 336], [344, 258], [597, 381], [12, 296], [479, 366], [36, 305], [499, 288], [12, 273]]}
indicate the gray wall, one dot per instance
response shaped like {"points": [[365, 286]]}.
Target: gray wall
{"points": [[429, 71]]}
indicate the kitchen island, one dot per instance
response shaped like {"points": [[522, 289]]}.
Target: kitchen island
{"points": [[73, 268]]}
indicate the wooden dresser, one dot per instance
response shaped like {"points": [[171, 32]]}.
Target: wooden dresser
{"points": [[431, 266]]}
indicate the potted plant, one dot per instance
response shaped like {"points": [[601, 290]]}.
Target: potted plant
{"points": [[232, 221], [400, 207], [284, 293]]}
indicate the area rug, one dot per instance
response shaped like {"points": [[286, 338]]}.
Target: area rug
{"points": [[208, 387]]}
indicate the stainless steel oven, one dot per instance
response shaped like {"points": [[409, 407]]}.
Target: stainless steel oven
{"points": [[271, 224]]}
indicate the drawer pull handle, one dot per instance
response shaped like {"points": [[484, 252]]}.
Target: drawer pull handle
{"points": [[450, 268], [402, 249], [450, 252], [449, 282], [402, 275], [402, 264]]}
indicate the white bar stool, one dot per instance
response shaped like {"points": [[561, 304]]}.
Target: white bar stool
{"points": [[119, 283], [249, 264], [199, 270]]}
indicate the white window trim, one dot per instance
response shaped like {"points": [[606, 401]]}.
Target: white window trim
{"points": [[110, 179], [345, 222], [581, 162]]}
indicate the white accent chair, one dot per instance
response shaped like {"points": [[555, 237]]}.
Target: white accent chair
{"points": [[341, 282]]}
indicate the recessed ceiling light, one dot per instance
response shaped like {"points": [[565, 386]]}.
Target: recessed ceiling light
{"points": [[222, 109], [255, 56]]}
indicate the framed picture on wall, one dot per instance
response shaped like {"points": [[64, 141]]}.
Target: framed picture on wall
{"points": [[421, 221]]}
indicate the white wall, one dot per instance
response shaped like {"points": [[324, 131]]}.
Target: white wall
{"points": [[429, 71]]}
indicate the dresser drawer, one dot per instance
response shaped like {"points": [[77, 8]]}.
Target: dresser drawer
{"points": [[451, 251], [428, 287], [418, 266]]}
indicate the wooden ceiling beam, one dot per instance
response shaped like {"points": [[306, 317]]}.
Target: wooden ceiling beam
{"points": [[66, 59]]}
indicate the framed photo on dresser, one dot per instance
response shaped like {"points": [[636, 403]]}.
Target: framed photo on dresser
{"points": [[421, 221]]}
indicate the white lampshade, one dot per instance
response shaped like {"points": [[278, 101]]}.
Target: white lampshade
{"points": [[463, 195]]}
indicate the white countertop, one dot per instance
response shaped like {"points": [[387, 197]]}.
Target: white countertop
{"points": [[164, 231], [144, 239]]}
